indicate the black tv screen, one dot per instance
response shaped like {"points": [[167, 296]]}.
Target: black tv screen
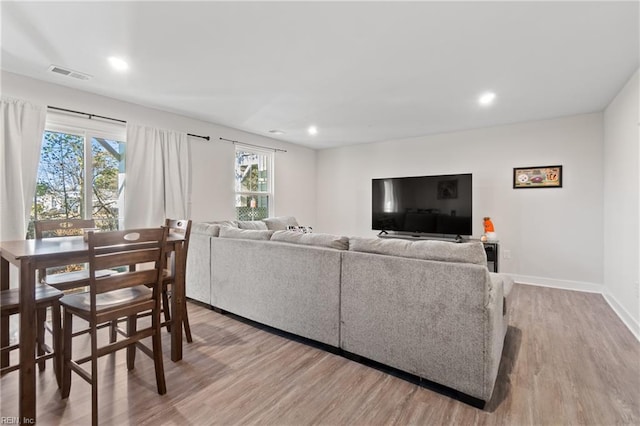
{"points": [[423, 204]]}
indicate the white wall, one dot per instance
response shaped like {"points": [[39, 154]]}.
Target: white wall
{"points": [[555, 236], [621, 208], [212, 161]]}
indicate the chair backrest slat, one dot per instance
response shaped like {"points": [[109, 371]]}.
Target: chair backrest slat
{"points": [[61, 227], [122, 249], [127, 237], [118, 258], [181, 227], [129, 279]]}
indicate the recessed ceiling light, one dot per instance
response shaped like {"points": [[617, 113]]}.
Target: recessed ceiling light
{"points": [[486, 98], [276, 132], [118, 64], [313, 130]]}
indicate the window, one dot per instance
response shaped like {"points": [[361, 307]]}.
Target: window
{"points": [[81, 173], [253, 183]]}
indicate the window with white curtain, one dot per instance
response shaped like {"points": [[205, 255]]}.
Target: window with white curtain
{"points": [[253, 183], [81, 173]]}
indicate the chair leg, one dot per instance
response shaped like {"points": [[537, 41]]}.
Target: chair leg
{"points": [[57, 343], [113, 331], [94, 374], [94, 404], [131, 349], [41, 317], [67, 329], [94, 396], [165, 308], [157, 354], [185, 322], [4, 340]]}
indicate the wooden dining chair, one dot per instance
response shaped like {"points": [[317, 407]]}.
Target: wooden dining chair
{"points": [[46, 297], [181, 227], [121, 295], [63, 228], [64, 281]]}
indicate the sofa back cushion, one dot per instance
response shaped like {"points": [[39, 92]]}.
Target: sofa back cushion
{"points": [[443, 251], [252, 224], [245, 234], [203, 228], [280, 223], [321, 240], [211, 229]]}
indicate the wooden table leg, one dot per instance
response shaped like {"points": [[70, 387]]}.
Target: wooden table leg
{"points": [[4, 322], [28, 328], [177, 297]]}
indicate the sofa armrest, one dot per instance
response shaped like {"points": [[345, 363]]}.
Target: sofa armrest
{"points": [[437, 320], [496, 329], [198, 272]]}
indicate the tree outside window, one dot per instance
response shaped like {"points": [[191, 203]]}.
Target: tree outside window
{"points": [[63, 190]]}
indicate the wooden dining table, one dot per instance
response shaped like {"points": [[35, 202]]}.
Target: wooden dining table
{"points": [[29, 256]]}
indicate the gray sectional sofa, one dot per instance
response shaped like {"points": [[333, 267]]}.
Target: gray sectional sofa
{"points": [[429, 308]]}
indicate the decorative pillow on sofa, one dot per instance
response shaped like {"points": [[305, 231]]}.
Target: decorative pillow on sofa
{"points": [[280, 223], [252, 224], [300, 229], [321, 240], [245, 234], [427, 250]]}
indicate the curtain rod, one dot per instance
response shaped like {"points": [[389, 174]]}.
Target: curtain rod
{"points": [[256, 146], [87, 114], [109, 118]]}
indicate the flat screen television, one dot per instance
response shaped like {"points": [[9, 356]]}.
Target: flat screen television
{"points": [[430, 205]]}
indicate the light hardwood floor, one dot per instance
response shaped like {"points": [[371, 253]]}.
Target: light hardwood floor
{"points": [[568, 360]]}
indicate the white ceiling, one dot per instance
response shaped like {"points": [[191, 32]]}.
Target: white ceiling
{"points": [[359, 71]]}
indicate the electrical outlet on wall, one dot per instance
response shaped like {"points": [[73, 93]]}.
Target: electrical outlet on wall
{"points": [[506, 254]]}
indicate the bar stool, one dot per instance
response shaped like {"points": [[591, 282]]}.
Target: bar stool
{"points": [[65, 281], [46, 296], [121, 295]]}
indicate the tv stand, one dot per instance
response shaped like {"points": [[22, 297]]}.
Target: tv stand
{"points": [[490, 247], [421, 237]]}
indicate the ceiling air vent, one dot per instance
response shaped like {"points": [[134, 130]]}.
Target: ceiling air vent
{"points": [[69, 73]]}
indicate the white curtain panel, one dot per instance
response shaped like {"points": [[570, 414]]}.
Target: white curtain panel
{"points": [[21, 131], [158, 176]]}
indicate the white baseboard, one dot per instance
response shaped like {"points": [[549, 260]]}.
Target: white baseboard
{"points": [[561, 284], [586, 287], [627, 319]]}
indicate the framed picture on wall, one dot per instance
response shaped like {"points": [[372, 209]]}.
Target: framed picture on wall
{"points": [[447, 189], [537, 177]]}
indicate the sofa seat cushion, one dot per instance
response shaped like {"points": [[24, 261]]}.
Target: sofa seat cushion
{"points": [[321, 240], [245, 234], [252, 224], [443, 251], [280, 223]]}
